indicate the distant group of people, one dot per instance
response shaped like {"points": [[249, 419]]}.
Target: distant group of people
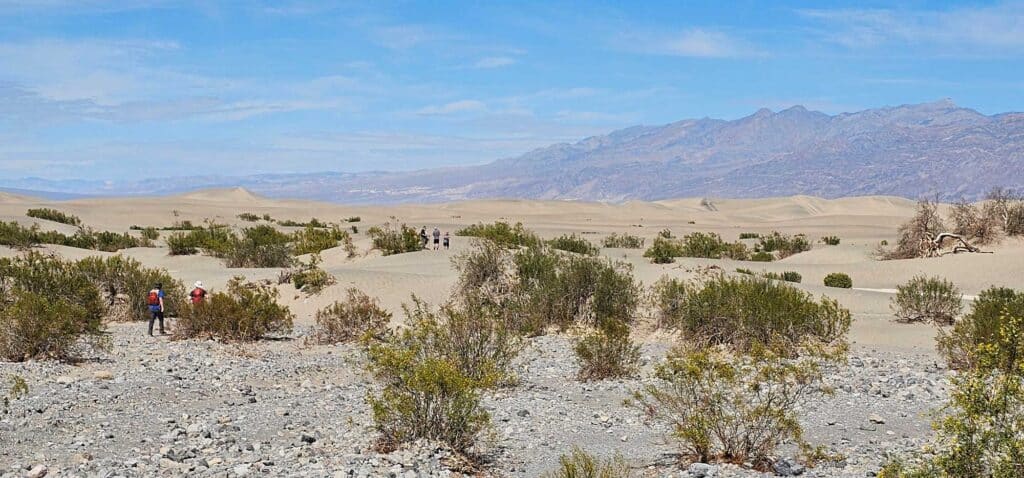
{"points": [[155, 301], [437, 238]]}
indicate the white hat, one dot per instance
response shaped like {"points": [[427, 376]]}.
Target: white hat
{"points": [[199, 284]]}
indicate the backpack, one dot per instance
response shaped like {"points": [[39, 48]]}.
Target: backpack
{"points": [[154, 298], [197, 295]]}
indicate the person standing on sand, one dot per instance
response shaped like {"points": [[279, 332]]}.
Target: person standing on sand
{"points": [[437, 238], [446, 240], [198, 294], [155, 299], [423, 236]]}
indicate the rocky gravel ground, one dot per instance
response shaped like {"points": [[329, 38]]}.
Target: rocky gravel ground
{"points": [[155, 407]]}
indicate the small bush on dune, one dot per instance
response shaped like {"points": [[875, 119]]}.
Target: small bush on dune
{"points": [[666, 234], [698, 244], [623, 241], [248, 217], [664, 250], [123, 283], [244, 312], [501, 233], [357, 317], [787, 276], [974, 224], [54, 215], [761, 256], [927, 299], [745, 313], [391, 239], [260, 246], [310, 277], [831, 240], [15, 235], [580, 464], [749, 235], [607, 352], [48, 309], [214, 239], [980, 327], [150, 233], [668, 298], [783, 244], [573, 243], [311, 240], [729, 408], [354, 219], [839, 280]]}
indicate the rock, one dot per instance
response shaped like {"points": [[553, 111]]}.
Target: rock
{"points": [[307, 438], [876, 418], [65, 379], [523, 413], [103, 375], [702, 470], [788, 467], [38, 471], [241, 470]]}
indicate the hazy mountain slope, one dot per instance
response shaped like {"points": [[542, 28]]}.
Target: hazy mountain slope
{"points": [[908, 151]]}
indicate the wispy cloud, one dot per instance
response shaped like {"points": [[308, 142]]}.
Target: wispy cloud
{"points": [[454, 107], [403, 37], [692, 43], [494, 62]]}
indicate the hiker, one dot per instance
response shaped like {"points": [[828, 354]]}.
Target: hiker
{"points": [[446, 240], [156, 307], [437, 238], [423, 236], [198, 293]]}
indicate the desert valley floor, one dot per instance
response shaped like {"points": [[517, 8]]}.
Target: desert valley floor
{"points": [[156, 407]]}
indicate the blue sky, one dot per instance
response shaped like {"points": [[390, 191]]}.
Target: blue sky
{"points": [[91, 89]]}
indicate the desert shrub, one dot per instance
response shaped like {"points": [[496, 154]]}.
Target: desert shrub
{"points": [[311, 240], [831, 240], [245, 312], [150, 233], [668, 296], [214, 239], [123, 283], [925, 224], [259, 246], [15, 235], [749, 235], [761, 256], [580, 464], [664, 250], [48, 309], [501, 233], [729, 408], [783, 244], [666, 234], [181, 244], [1014, 225], [975, 225], [314, 222], [607, 352], [927, 299], [484, 268], [745, 313], [573, 243], [624, 241], [17, 389], [711, 246], [54, 215], [980, 327], [357, 317], [788, 276], [354, 229], [354, 219], [838, 279], [391, 239], [310, 277], [248, 217], [743, 270], [979, 431]]}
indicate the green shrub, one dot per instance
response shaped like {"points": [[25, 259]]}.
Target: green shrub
{"points": [[623, 241], [354, 229], [783, 244], [501, 233], [182, 244], [248, 217], [979, 431], [311, 240], [15, 235], [214, 239], [749, 235], [607, 352], [245, 312], [310, 277], [761, 256], [927, 299], [354, 219], [711, 246], [980, 327], [395, 240], [150, 233], [745, 313], [580, 464], [666, 234], [357, 317], [664, 250], [123, 283], [18, 388], [735, 409], [54, 215], [312, 223], [838, 279], [742, 270], [48, 309], [788, 276], [831, 240], [573, 243], [260, 246]]}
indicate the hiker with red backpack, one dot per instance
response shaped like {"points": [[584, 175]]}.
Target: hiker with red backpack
{"points": [[198, 294], [155, 299]]}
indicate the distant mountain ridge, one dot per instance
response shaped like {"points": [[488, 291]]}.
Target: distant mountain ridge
{"points": [[907, 150]]}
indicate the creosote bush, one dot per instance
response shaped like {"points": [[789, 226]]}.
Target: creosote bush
{"points": [[788, 276], [839, 280], [123, 283], [13, 389], [782, 244], [259, 246], [761, 256], [310, 278], [245, 312], [623, 241], [150, 233], [927, 299], [698, 244], [501, 233], [18, 236], [48, 309], [746, 313], [580, 464], [664, 250], [749, 235], [357, 317], [831, 240], [312, 240], [731, 408], [607, 352], [981, 328], [573, 243], [248, 217], [54, 215], [391, 239]]}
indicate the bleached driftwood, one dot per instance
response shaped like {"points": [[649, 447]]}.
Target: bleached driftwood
{"points": [[932, 244]]}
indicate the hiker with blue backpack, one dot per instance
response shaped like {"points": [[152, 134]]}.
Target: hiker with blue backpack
{"points": [[155, 300]]}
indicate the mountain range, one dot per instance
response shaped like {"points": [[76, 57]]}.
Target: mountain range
{"points": [[909, 150]]}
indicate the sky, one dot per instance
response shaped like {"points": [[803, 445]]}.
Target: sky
{"points": [[133, 89]]}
